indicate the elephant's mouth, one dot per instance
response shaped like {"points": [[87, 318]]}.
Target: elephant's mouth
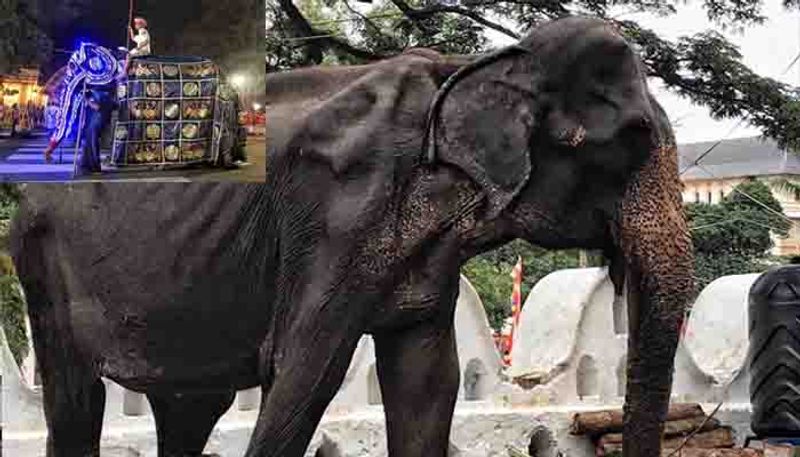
{"points": [[571, 137], [575, 134]]}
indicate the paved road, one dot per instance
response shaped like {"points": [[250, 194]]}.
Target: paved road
{"points": [[22, 159]]}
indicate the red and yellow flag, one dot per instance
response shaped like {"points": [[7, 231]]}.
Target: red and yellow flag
{"points": [[516, 304]]}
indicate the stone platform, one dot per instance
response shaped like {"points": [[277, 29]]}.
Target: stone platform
{"points": [[480, 429]]}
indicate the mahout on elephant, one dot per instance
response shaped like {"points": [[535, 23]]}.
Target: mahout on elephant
{"points": [[382, 180]]}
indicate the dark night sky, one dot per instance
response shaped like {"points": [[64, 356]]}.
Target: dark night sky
{"points": [[105, 22], [226, 31]]}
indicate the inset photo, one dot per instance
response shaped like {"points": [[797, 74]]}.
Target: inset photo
{"points": [[133, 89]]}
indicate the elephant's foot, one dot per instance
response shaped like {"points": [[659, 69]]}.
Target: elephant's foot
{"points": [[184, 421], [74, 396], [75, 419]]}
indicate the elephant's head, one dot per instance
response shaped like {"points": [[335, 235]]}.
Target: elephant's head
{"points": [[564, 140], [90, 66], [573, 87]]}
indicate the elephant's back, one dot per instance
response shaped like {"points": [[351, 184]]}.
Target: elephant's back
{"points": [[170, 278]]}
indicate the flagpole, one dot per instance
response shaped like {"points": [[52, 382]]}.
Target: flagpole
{"points": [[130, 22], [516, 305]]}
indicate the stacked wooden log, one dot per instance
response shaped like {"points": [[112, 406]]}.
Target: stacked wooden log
{"points": [[707, 437]]}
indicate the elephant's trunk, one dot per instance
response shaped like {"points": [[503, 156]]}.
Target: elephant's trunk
{"points": [[655, 243]]}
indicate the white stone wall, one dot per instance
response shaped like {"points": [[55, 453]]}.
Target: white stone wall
{"points": [[571, 334], [569, 337], [476, 350]]}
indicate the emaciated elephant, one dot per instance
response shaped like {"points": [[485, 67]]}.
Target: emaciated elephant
{"points": [[382, 180]]}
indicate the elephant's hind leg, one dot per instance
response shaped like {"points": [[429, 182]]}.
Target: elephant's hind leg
{"points": [[75, 418], [74, 395], [184, 421]]}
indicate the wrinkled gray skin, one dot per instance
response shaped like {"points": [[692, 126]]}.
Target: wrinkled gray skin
{"points": [[189, 291]]}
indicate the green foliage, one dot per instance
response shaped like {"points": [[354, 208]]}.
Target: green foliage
{"points": [[339, 32], [490, 274], [493, 285], [9, 195], [705, 67], [22, 41], [709, 267], [733, 237], [12, 316], [740, 224], [288, 49], [30, 29], [12, 303], [708, 70]]}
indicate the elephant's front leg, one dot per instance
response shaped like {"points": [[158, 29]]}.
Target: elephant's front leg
{"points": [[309, 362], [419, 377], [418, 366]]}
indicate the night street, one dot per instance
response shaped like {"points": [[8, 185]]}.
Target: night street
{"points": [[22, 159]]}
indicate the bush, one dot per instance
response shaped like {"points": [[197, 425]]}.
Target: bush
{"points": [[490, 274], [12, 302], [733, 237], [12, 316]]}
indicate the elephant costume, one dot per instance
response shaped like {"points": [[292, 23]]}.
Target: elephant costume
{"points": [[382, 180]]}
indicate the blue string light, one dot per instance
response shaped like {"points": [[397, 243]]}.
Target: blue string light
{"points": [[91, 65]]}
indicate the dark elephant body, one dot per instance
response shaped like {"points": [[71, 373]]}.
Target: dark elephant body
{"points": [[382, 181], [150, 273]]}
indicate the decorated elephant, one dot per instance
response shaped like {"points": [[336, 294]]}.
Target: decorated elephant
{"points": [[91, 66], [172, 110], [382, 180]]}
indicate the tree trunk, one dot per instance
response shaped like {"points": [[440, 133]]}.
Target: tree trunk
{"points": [[599, 422]]}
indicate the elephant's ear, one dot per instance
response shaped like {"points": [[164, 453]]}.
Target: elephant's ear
{"points": [[481, 121]]}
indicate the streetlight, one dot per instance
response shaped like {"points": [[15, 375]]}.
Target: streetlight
{"points": [[238, 80]]}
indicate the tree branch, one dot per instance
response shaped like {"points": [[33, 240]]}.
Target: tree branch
{"points": [[323, 40], [366, 20], [416, 15], [720, 82]]}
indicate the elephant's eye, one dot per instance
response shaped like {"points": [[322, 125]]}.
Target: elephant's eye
{"points": [[601, 94]]}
